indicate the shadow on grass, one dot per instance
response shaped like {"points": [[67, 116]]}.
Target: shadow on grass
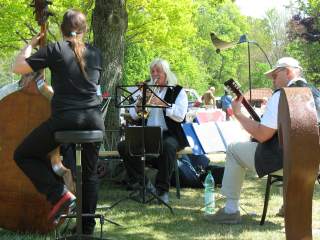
{"points": [[150, 221]]}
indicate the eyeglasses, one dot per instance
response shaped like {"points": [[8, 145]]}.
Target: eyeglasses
{"points": [[275, 73]]}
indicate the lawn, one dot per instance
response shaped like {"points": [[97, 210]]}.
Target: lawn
{"points": [[152, 221]]}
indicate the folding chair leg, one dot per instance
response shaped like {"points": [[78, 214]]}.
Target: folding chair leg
{"points": [[177, 178], [266, 200]]}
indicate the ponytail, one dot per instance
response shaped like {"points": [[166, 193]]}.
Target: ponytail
{"points": [[78, 47], [73, 25]]}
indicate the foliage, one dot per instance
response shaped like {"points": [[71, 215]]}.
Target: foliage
{"points": [[163, 29], [12, 16], [226, 21], [277, 30], [18, 25], [303, 47], [305, 53], [17, 21], [259, 34], [258, 78], [6, 76], [178, 31], [136, 65]]}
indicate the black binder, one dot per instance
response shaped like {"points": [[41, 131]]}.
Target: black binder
{"points": [[152, 140]]}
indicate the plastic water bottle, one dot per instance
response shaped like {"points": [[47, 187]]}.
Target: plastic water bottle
{"points": [[209, 200]]}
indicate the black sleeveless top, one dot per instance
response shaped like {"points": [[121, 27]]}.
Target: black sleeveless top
{"points": [[174, 127], [269, 155]]}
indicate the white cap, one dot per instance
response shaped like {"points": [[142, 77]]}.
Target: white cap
{"points": [[284, 62]]}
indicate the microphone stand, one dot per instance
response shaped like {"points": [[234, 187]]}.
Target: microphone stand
{"points": [[221, 45]]}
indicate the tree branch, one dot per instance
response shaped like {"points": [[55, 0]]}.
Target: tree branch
{"points": [[31, 29], [130, 37], [9, 47], [22, 37], [145, 24], [52, 35]]}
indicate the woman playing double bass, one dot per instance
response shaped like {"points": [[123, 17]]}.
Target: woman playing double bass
{"points": [[75, 73]]}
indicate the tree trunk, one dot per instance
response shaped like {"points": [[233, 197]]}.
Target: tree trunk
{"points": [[110, 21]]}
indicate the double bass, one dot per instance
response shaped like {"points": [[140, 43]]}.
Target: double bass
{"points": [[22, 108]]}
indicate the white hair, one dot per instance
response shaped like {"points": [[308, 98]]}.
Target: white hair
{"points": [[171, 77]]}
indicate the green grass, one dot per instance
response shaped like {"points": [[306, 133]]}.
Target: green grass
{"points": [[150, 221]]}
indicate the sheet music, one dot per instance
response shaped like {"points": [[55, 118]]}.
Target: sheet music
{"points": [[193, 139], [232, 131], [213, 137], [209, 137], [136, 94]]}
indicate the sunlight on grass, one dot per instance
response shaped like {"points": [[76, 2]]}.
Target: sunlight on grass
{"points": [[152, 221]]}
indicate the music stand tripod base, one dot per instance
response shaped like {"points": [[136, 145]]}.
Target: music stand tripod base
{"points": [[143, 141], [82, 236]]}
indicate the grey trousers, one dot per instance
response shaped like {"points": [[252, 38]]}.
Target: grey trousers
{"points": [[239, 159]]}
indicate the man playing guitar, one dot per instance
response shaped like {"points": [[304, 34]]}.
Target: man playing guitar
{"points": [[261, 157]]}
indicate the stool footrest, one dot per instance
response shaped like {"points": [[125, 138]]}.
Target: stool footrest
{"points": [[74, 215]]}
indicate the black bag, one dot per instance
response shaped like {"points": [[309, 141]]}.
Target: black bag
{"points": [[112, 169], [190, 169]]}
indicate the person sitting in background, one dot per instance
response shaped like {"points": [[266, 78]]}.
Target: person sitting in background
{"points": [[208, 99], [213, 90], [169, 119], [262, 157], [226, 100]]}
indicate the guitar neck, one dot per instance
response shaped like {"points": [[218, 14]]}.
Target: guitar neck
{"points": [[235, 88], [250, 110]]}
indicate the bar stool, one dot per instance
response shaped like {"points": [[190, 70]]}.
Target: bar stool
{"points": [[79, 137]]}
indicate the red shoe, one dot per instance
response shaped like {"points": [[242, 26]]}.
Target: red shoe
{"points": [[64, 206]]}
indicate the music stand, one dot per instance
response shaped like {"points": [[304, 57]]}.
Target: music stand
{"points": [[137, 136]]}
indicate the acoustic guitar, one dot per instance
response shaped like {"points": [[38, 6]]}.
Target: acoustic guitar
{"points": [[234, 87]]}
